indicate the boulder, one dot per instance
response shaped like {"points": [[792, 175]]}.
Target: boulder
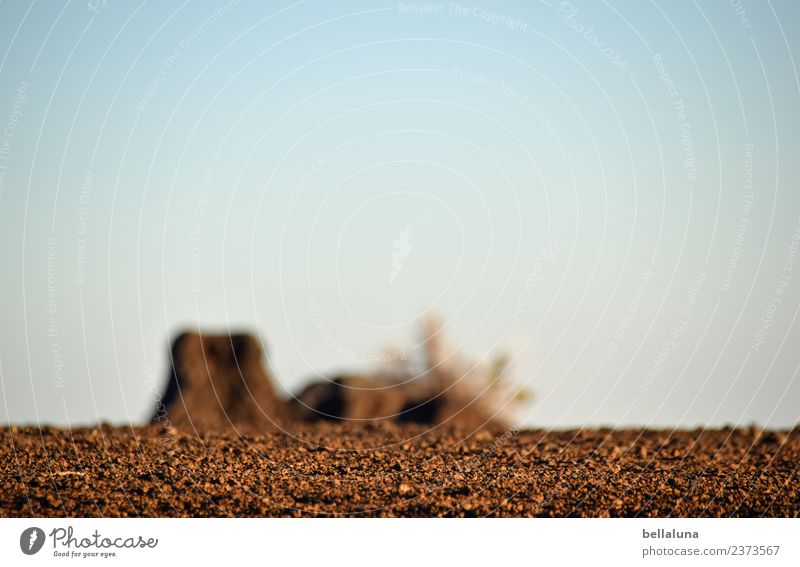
{"points": [[219, 382], [374, 398]]}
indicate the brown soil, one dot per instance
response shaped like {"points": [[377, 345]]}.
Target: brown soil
{"points": [[399, 470]]}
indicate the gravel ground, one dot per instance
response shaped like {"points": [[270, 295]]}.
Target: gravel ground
{"points": [[389, 470]]}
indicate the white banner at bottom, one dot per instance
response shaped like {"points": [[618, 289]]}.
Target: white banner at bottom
{"points": [[379, 542]]}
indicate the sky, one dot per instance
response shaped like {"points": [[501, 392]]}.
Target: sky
{"points": [[607, 191]]}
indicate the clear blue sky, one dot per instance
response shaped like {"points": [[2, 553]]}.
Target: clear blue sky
{"points": [[609, 190]]}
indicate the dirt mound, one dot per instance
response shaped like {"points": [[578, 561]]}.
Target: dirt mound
{"points": [[425, 401], [220, 382], [350, 398]]}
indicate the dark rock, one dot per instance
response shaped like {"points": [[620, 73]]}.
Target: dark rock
{"points": [[219, 381], [365, 398], [352, 398]]}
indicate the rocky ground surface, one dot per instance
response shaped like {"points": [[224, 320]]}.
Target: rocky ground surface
{"points": [[332, 469]]}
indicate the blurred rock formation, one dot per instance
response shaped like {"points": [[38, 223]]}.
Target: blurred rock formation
{"points": [[221, 382]]}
